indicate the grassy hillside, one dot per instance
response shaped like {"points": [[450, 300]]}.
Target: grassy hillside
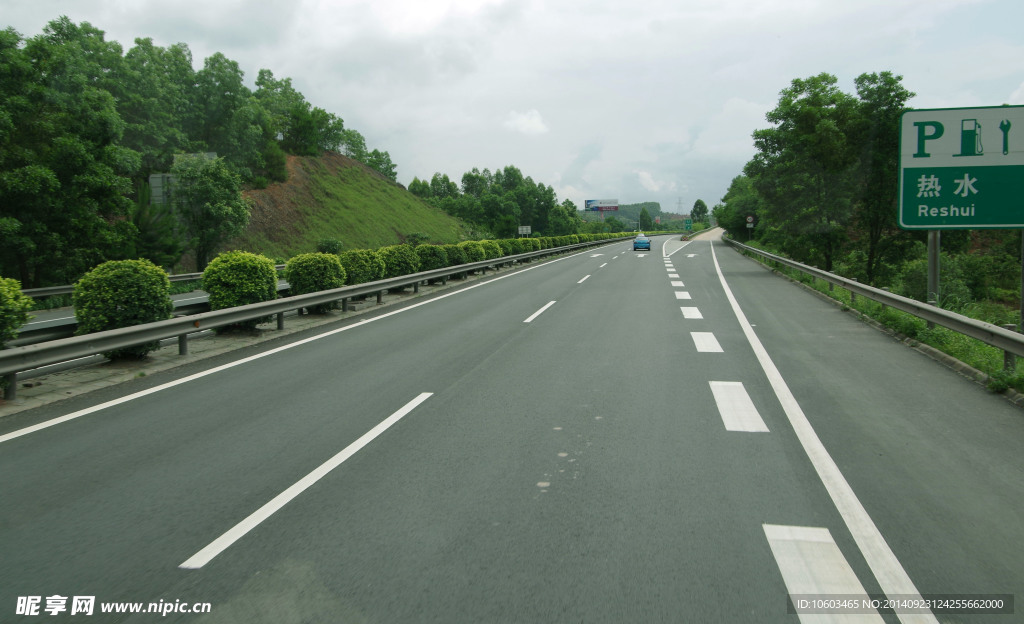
{"points": [[333, 196]]}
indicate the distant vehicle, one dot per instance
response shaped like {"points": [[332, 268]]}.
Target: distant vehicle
{"points": [[641, 242]]}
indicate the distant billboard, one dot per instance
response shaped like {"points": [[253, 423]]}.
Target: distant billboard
{"points": [[602, 204]]}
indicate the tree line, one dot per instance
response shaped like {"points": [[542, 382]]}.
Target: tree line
{"points": [[823, 187], [500, 202], [83, 124]]}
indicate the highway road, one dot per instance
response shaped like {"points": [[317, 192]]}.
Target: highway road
{"points": [[612, 436]]}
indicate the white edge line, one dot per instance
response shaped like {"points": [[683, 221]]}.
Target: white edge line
{"points": [[102, 406], [887, 569], [236, 532], [539, 312]]}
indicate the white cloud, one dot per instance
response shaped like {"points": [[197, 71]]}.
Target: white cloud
{"points": [[529, 122], [652, 101]]}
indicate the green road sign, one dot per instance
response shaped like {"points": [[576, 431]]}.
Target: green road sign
{"points": [[962, 168], [689, 224]]}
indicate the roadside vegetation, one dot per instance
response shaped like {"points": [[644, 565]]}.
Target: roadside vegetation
{"points": [[84, 124], [822, 189]]}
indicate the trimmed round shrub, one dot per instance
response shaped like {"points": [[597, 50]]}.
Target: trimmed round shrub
{"points": [[236, 278], [399, 260], [517, 246], [122, 293], [506, 246], [474, 251], [491, 249], [361, 266], [432, 257], [14, 307], [456, 255], [314, 272]]}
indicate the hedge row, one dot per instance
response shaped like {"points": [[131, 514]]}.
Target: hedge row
{"points": [[129, 292]]}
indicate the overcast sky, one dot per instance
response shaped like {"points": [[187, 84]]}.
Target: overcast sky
{"points": [[638, 100]]}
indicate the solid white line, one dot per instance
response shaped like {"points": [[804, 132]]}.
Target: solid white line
{"points": [[691, 313], [232, 364], [706, 342], [678, 285], [236, 532], [737, 410], [682, 294], [583, 280], [539, 312], [812, 565], [890, 574]]}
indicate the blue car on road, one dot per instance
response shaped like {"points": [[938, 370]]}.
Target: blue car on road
{"points": [[641, 242]]}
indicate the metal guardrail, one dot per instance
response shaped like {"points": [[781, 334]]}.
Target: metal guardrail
{"points": [[18, 359], [992, 335], [50, 291]]}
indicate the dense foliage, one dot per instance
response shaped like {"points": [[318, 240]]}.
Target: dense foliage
{"points": [[822, 188], [122, 293], [237, 278], [83, 125], [361, 266], [314, 272], [14, 307], [399, 260], [500, 201]]}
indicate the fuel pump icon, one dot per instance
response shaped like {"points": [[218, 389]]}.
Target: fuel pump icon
{"points": [[970, 138]]}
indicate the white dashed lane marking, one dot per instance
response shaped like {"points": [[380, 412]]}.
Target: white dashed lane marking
{"points": [[734, 405], [706, 342]]}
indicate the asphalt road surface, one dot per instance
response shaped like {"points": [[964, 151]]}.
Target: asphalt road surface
{"points": [[612, 436]]}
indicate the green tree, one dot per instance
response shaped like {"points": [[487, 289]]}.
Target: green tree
{"points": [[154, 103], [65, 179], [644, 220], [420, 189], [381, 163], [876, 135], [803, 168], [207, 196], [738, 203], [353, 145], [563, 220], [699, 213]]}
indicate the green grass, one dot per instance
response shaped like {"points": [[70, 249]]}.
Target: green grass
{"points": [[358, 208]]}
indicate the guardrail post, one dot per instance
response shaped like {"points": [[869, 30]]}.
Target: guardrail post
{"points": [[415, 288], [11, 391], [1009, 359], [280, 321], [183, 344], [344, 304], [380, 297], [935, 303], [853, 295]]}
